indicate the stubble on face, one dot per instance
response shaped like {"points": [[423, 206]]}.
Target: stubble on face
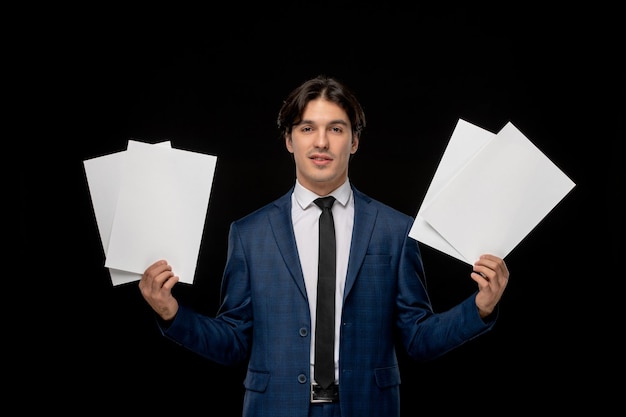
{"points": [[322, 145]]}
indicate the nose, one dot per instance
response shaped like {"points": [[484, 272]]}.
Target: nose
{"points": [[321, 139]]}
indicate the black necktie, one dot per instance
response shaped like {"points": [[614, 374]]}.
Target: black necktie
{"points": [[325, 311]]}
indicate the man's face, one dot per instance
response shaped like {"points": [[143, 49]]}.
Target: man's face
{"points": [[321, 145]]}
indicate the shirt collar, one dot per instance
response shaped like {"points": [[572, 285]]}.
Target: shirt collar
{"points": [[305, 197]]}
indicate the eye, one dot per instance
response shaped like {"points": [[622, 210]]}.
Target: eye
{"points": [[336, 129], [306, 129]]}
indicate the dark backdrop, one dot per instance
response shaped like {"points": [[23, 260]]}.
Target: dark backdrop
{"points": [[212, 81]]}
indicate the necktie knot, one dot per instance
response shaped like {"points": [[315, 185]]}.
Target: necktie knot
{"points": [[325, 202]]}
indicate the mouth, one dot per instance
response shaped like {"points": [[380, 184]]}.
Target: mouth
{"points": [[320, 159]]}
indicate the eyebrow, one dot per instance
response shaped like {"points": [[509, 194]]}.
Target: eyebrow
{"points": [[332, 122]]}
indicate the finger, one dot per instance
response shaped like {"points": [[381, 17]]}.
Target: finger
{"points": [[162, 277], [483, 271], [499, 262], [157, 268], [170, 282], [488, 261], [155, 276], [480, 279], [493, 263], [159, 271]]}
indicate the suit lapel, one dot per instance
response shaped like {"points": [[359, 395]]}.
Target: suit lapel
{"points": [[282, 227], [364, 219]]}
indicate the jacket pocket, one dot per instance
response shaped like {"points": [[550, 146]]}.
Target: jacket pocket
{"points": [[382, 260], [256, 381], [387, 377]]}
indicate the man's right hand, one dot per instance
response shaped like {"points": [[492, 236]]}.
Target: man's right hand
{"points": [[156, 287]]}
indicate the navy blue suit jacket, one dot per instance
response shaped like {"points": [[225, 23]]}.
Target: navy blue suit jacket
{"points": [[265, 319]]}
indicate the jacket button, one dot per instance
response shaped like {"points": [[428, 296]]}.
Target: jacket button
{"points": [[304, 332], [302, 378]]}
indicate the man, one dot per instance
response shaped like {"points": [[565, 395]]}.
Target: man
{"points": [[268, 310]]}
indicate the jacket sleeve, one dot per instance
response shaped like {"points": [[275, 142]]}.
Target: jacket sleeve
{"points": [[425, 334], [226, 338]]}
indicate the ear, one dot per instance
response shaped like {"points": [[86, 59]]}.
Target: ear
{"points": [[288, 142], [355, 144]]}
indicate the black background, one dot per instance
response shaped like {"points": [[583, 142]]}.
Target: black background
{"points": [[212, 80]]}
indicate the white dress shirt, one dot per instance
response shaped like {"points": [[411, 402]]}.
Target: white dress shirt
{"points": [[305, 217]]}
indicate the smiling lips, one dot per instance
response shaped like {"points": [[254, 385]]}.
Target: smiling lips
{"points": [[321, 156], [321, 159]]}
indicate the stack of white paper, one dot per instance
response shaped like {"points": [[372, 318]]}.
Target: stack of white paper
{"points": [[489, 191], [150, 203]]}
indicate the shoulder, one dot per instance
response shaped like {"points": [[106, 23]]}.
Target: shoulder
{"points": [[280, 205]]}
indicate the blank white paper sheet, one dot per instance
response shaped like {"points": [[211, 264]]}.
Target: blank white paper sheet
{"points": [[489, 192], [150, 203]]}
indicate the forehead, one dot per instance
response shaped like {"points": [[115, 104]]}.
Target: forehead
{"points": [[321, 110]]}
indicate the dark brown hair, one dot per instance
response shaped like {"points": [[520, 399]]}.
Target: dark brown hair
{"points": [[328, 88]]}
